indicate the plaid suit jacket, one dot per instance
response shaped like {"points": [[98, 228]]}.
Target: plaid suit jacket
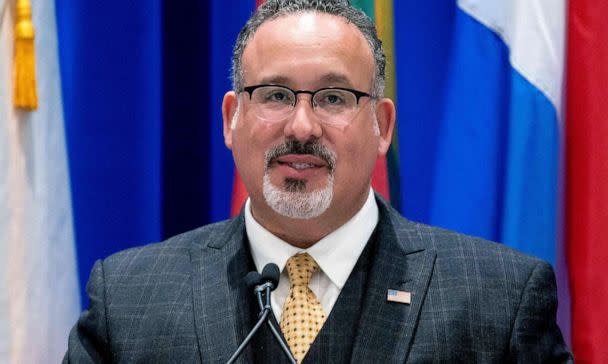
{"points": [[183, 301]]}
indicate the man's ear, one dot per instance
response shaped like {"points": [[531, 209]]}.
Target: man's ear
{"points": [[385, 115], [230, 106]]}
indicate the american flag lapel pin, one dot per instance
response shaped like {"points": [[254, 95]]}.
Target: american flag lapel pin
{"points": [[394, 295]]}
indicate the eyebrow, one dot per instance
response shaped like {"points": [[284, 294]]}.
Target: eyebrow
{"points": [[275, 80], [336, 79], [333, 79]]}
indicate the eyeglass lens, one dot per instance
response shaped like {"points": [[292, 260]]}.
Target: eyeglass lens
{"points": [[275, 103]]}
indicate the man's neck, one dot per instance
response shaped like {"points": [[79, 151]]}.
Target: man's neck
{"points": [[303, 233]]}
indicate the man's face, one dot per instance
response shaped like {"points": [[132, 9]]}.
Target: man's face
{"points": [[301, 156]]}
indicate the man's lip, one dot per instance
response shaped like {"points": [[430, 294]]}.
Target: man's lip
{"points": [[302, 158]]}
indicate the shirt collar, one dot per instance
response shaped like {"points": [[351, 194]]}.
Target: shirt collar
{"points": [[336, 254]]}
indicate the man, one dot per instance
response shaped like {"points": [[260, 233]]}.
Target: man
{"points": [[306, 122]]}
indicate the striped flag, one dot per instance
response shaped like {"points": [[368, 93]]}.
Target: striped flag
{"points": [[38, 280], [394, 295], [385, 179], [499, 142], [495, 168], [507, 152]]}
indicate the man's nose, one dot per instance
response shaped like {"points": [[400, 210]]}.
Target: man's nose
{"points": [[303, 124]]}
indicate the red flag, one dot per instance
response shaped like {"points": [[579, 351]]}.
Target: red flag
{"points": [[587, 177]]}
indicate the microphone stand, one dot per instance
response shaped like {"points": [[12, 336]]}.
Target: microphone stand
{"points": [[263, 317], [275, 332], [266, 309]]}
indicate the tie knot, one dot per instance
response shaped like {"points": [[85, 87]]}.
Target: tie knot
{"points": [[300, 268]]}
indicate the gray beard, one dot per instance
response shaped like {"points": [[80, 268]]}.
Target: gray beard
{"points": [[294, 202]]}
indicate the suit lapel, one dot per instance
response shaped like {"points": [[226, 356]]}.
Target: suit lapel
{"points": [[401, 262], [220, 298]]}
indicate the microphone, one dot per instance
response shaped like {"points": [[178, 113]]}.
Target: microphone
{"points": [[252, 279], [271, 274], [262, 285], [269, 281]]}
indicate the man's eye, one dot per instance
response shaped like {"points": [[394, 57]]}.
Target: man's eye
{"points": [[277, 96], [333, 99]]}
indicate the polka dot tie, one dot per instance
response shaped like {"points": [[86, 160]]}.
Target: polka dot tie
{"points": [[303, 315]]}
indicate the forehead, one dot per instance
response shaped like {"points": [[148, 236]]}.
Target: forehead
{"points": [[308, 49]]}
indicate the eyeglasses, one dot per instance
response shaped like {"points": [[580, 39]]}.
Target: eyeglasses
{"points": [[333, 105]]}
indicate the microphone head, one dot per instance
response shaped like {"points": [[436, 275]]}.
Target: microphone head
{"points": [[271, 273], [253, 279]]}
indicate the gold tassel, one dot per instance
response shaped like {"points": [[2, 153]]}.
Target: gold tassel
{"points": [[25, 58]]}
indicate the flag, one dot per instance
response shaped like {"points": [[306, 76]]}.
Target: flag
{"points": [[481, 126], [39, 299], [385, 178], [394, 295], [497, 159], [587, 177]]}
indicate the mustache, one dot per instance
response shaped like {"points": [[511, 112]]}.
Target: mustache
{"points": [[311, 147]]}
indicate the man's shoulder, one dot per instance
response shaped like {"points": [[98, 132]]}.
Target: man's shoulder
{"points": [[456, 250], [460, 245], [173, 251], [484, 267]]}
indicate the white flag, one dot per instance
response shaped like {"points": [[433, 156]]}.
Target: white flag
{"points": [[39, 299]]}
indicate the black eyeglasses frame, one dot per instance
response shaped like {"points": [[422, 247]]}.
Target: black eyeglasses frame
{"points": [[358, 94]]}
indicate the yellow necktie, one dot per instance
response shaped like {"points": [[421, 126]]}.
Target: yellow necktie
{"points": [[303, 315]]}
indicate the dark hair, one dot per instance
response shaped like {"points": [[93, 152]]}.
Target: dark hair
{"points": [[273, 9]]}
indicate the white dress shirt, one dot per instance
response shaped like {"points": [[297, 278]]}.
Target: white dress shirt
{"points": [[336, 254]]}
